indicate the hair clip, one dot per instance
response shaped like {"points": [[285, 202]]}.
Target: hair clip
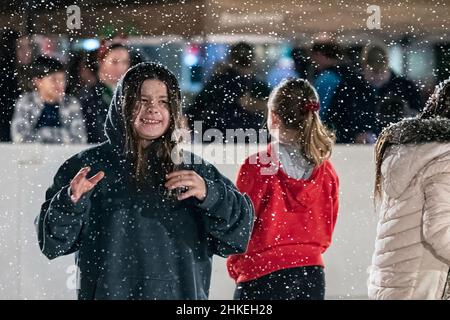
{"points": [[312, 106]]}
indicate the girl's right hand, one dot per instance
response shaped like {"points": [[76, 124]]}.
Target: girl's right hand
{"points": [[80, 184]]}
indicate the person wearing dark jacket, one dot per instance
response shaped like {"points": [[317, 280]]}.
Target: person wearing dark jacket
{"points": [[9, 87], [385, 82], [233, 98], [113, 61], [351, 113], [147, 223], [346, 98]]}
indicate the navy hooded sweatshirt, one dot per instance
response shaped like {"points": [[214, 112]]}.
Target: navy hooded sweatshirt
{"points": [[136, 242]]}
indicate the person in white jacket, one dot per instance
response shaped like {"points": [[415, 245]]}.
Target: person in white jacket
{"points": [[412, 197]]}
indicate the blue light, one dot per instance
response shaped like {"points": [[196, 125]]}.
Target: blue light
{"points": [[190, 60], [91, 44]]}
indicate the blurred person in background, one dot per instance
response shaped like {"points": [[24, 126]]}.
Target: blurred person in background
{"points": [[346, 98], [233, 98], [82, 73], [113, 62], [9, 87], [327, 78], [302, 62], [384, 81], [47, 115], [24, 63]]}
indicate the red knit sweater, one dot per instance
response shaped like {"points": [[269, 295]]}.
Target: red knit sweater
{"points": [[294, 222]]}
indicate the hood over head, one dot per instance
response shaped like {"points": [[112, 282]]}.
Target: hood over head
{"points": [[115, 121]]}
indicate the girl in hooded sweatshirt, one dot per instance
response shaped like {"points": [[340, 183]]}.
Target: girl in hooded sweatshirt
{"points": [[143, 216], [294, 189], [412, 196]]}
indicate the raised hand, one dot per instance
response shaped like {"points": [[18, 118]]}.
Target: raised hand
{"points": [[80, 184]]}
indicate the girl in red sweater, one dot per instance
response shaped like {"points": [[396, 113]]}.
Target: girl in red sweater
{"points": [[294, 190]]}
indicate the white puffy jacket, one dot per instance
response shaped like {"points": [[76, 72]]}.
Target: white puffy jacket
{"points": [[412, 248]]}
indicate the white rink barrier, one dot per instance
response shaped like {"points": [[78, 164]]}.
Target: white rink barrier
{"points": [[27, 171]]}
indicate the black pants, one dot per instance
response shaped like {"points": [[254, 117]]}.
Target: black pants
{"points": [[302, 283]]}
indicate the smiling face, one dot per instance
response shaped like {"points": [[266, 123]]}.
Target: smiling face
{"points": [[152, 117]]}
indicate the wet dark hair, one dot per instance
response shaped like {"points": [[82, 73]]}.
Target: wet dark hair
{"points": [[242, 54], [438, 105], [164, 145]]}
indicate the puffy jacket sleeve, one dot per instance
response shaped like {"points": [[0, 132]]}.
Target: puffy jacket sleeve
{"points": [[228, 213], [60, 221], [77, 131], [22, 125], [436, 212]]}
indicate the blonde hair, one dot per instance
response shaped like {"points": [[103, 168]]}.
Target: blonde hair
{"points": [[290, 101]]}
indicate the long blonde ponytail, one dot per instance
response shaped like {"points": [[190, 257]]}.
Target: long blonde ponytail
{"points": [[291, 100]]}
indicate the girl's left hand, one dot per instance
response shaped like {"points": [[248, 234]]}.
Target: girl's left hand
{"points": [[190, 179]]}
